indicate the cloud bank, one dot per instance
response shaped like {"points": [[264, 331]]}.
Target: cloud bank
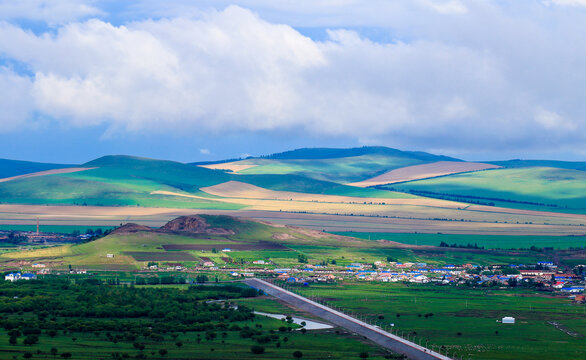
{"points": [[477, 76]]}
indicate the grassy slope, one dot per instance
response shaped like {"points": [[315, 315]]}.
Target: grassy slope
{"points": [[124, 181], [9, 168], [338, 165], [343, 170], [562, 187], [94, 252]]}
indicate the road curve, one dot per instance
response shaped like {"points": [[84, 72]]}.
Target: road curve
{"points": [[373, 333]]}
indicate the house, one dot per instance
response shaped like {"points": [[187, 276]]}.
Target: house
{"points": [[110, 255], [259, 262], [38, 266], [508, 320], [12, 277], [18, 276], [573, 289], [226, 250]]}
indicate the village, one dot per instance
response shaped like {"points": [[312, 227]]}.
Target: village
{"points": [[542, 276]]}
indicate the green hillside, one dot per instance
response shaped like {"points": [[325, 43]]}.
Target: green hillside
{"points": [[9, 168], [132, 245], [129, 181], [541, 188], [337, 165]]}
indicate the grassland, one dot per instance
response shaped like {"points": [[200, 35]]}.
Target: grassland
{"points": [[464, 319], [539, 188]]}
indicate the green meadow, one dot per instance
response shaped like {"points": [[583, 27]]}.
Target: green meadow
{"points": [[464, 320]]}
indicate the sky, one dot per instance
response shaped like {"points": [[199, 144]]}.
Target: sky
{"points": [[208, 80]]}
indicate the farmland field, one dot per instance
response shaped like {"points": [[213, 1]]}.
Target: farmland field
{"points": [[464, 319], [487, 241], [540, 188], [416, 172]]}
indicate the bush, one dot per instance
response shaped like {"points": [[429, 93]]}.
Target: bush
{"points": [[363, 355], [297, 354], [257, 349]]}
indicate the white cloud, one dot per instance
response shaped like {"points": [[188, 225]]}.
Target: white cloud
{"points": [[566, 2], [14, 102], [204, 151], [229, 71], [50, 11]]}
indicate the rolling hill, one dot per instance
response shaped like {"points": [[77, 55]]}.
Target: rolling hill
{"points": [[537, 188], [10, 168], [336, 165], [186, 239]]}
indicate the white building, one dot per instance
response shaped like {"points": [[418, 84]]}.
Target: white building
{"points": [[508, 320]]}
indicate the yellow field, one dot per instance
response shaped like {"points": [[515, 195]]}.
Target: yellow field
{"points": [[424, 171], [240, 190], [234, 166]]}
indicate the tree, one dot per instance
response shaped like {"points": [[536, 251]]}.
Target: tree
{"points": [[31, 340], [302, 258], [163, 352], [13, 340], [257, 349], [66, 355], [297, 354], [179, 344], [27, 355], [53, 351], [363, 355], [201, 279]]}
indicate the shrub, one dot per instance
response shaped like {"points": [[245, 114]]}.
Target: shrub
{"points": [[257, 349], [297, 354]]}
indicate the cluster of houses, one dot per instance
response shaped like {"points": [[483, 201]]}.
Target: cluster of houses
{"points": [[18, 276]]}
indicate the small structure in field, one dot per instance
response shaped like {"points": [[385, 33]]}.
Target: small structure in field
{"points": [[109, 255], [508, 320]]}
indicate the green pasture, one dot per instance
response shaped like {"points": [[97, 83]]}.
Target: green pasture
{"points": [[564, 188], [488, 241], [345, 256], [341, 170], [465, 319]]}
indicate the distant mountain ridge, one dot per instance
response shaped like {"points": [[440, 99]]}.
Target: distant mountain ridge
{"points": [[10, 168]]}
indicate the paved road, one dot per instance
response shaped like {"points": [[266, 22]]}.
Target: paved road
{"points": [[375, 334]]}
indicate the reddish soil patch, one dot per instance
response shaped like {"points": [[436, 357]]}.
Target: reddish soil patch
{"points": [[160, 256], [130, 228], [193, 224], [263, 245]]}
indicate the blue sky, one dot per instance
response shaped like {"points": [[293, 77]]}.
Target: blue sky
{"points": [[206, 80]]}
